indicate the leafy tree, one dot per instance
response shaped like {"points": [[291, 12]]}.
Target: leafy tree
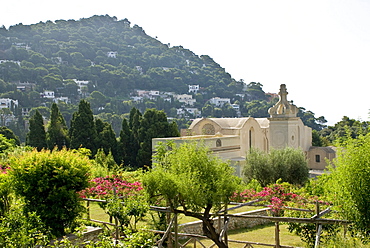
{"points": [[48, 182], [349, 182], [192, 182], [8, 133], [255, 92], [256, 108], [344, 129], [57, 131], [208, 110], [96, 99], [309, 119], [6, 144], [82, 131], [36, 137], [287, 164]]}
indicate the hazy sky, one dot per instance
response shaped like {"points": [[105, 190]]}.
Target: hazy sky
{"points": [[319, 48]]}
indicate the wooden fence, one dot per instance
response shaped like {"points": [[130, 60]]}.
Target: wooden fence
{"points": [[172, 235]]}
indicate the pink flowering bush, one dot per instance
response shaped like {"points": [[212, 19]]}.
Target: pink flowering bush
{"points": [[125, 198], [275, 196], [104, 187], [279, 197]]}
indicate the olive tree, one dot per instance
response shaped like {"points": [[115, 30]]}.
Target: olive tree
{"points": [[288, 164], [193, 182]]}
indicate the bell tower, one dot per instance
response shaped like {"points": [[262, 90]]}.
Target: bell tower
{"points": [[286, 129]]}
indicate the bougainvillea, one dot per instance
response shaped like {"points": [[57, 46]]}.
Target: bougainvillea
{"points": [[282, 200], [105, 187], [276, 197], [124, 198]]}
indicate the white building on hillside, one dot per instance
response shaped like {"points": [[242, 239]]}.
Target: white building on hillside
{"points": [[194, 88], [219, 102], [186, 99], [81, 84], [8, 103]]}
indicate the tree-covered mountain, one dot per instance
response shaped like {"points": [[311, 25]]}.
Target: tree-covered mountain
{"points": [[114, 56], [106, 61]]}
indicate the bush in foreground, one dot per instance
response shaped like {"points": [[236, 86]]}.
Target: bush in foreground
{"points": [[48, 182]]}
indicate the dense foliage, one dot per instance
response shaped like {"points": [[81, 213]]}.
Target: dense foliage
{"points": [[36, 137], [288, 164], [57, 131], [48, 182], [133, 149], [349, 183]]}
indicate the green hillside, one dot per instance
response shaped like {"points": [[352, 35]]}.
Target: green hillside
{"points": [[113, 55]]}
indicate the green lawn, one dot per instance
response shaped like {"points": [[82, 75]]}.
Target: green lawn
{"points": [[97, 213], [261, 234]]}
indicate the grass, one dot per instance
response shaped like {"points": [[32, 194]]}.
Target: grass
{"points": [[97, 213], [261, 234]]}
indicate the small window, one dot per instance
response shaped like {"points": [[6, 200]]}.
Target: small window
{"points": [[218, 143], [317, 157]]}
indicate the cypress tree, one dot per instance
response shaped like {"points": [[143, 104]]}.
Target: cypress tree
{"points": [[57, 131], [154, 124], [134, 125], [107, 139], [36, 136], [124, 145], [82, 132]]}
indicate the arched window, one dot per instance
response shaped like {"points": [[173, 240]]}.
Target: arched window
{"points": [[251, 137], [218, 143], [208, 129]]}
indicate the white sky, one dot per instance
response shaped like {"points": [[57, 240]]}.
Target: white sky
{"points": [[319, 48]]}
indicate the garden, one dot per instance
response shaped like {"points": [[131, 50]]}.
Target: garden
{"points": [[46, 195]]}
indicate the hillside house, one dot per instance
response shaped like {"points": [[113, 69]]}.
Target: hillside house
{"points": [[194, 88], [112, 54], [186, 99], [48, 94], [81, 84], [8, 103], [219, 102]]}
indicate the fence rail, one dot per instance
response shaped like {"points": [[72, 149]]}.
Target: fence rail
{"points": [[197, 239]]}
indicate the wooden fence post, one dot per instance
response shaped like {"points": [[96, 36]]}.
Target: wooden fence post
{"points": [[176, 231], [88, 209], [277, 235], [225, 225], [116, 222]]}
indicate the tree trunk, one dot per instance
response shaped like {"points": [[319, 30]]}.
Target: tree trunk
{"points": [[210, 231], [208, 228]]}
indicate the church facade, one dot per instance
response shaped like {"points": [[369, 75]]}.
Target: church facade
{"points": [[232, 138]]}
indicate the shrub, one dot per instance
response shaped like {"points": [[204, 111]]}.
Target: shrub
{"points": [[5, 192], [117, 190], [48, 182], [22, 229], [349, 183], [288, 164]]}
